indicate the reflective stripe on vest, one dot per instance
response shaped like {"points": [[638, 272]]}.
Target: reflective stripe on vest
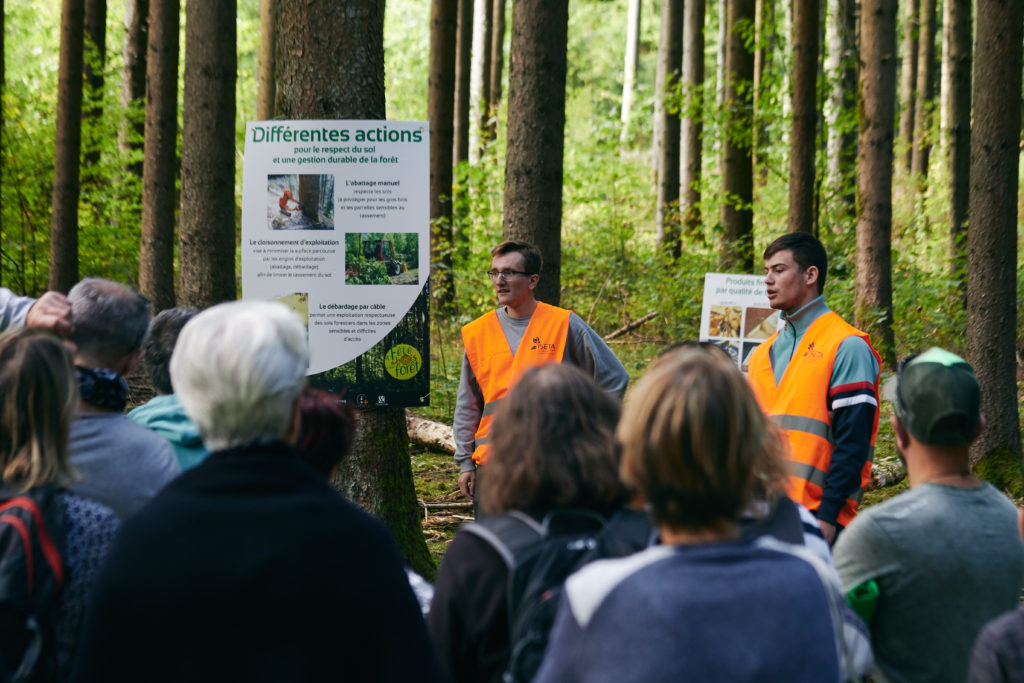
{"points": [[495, 367], [799, 405]]}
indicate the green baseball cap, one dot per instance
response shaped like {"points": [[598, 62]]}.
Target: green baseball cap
{"points": [[937, 398]]}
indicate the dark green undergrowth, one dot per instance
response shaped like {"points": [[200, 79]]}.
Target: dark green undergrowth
{"points": [[1002, 468]]}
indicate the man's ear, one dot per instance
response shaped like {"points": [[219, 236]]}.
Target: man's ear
{"points": [[534, 279], [900, 432], [129, 362], [982, 422], [811, 276]]}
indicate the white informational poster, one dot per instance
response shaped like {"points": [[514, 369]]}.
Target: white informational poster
{"points": [[735, 314], [336, 224]]}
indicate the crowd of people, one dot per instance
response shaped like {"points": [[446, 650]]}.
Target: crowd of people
{"points": [[707, 526]]}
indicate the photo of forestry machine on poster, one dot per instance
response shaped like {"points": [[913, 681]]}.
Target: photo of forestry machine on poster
{"points": [[383, 250]]}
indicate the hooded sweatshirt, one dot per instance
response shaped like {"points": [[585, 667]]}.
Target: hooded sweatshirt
{"points": [[165, 416]]}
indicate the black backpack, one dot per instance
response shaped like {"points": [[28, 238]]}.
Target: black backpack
{"points": [[540, 556], [31, 577]]}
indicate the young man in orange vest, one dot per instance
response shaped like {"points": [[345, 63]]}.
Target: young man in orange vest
{"points": [[818, 378], [502, 344]]}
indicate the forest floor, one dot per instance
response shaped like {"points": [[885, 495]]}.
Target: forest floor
{"points": [[436, 478], [409, 277]]}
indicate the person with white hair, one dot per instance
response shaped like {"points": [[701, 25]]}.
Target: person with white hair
{"points": [[250, 566]]}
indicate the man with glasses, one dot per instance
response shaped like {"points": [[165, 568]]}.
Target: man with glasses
{"points": [[929, 567], [817, 376], [504, 343]]}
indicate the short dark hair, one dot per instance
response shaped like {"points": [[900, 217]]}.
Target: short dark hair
{"points": [[326, 429], [110, 320], [553, 445], [531, 255], [159, 345], [807, 251]]}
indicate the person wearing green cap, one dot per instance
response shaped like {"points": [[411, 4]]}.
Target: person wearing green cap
{"points": [[929, 567]]}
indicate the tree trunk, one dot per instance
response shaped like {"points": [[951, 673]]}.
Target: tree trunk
{"points": [[156, 249], [536, 126], [94, 62], [693, 123], [992, 238], [721, 75], [440, 112], [764, 38], [133, 90], [842, 143], [657, 138], [3, 87], [873, 299], [908, 81], [925, 93], [480, 76], [68, 146], [463, 67], [958, 61], [805, 115], [630, 65], [670, 56], [944, 74], [265, 78], [207, 236], [309, 195], [314, 84], [736, 251], [497, 65]]}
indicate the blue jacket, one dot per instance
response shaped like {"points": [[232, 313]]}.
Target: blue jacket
{"points": [[165, 416]]}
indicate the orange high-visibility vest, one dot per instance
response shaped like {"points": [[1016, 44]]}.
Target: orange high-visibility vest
{"points": [[495, 367], [799, 404]]}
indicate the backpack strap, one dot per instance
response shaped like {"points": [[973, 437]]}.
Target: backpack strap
{"points": [[32, 574], [510, 534], [30, 515], [781, 521], [22, 513], [628, 531]]}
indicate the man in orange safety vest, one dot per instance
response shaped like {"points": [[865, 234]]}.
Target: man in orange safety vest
{"points": [[502, 344], [817, 377]]}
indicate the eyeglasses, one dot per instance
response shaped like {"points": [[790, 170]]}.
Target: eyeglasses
{"points": [[505, 275]]}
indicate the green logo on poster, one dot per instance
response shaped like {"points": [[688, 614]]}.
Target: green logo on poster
{"points": [[403, 361]]}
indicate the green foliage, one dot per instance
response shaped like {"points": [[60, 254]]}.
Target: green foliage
{"points": [[109, 206], [29, 103], [360, 270], [406, 59], [1002, 469]]}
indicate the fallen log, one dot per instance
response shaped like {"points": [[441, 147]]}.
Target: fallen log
{"points": [[630, 327], [885, 474], [447, 506], [430, 434]]}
